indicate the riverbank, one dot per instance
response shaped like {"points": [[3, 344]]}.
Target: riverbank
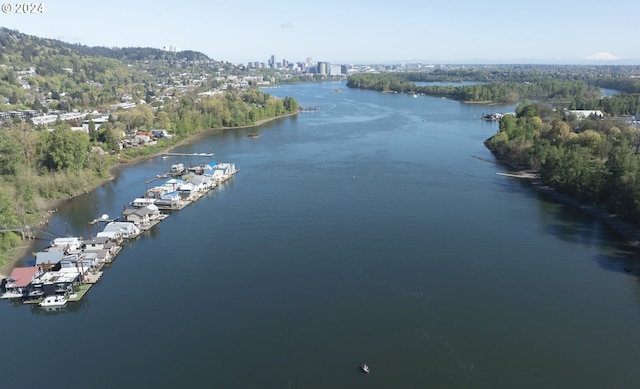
{"points": [[113, 172], [49, 206], [628, 232]]}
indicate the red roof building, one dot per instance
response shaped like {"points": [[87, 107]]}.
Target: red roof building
{"points": [[20, 281]]}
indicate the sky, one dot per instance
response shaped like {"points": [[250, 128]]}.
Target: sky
{"points": [[349, 31]]}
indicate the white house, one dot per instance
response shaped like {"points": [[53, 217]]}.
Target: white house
{"points": [[127, 230], [62, 244], [97, 121], [585, 113]]}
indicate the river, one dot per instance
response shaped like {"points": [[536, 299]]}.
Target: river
{"points": [[372, 230]]}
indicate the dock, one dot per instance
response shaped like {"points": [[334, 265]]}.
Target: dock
{"points": [[188, 155], [79, 294], [92, 278], [519, 175]]}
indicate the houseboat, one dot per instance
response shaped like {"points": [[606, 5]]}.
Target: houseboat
{"points": [[143, 217], [142, 202], [126, 230], [20, 282]]}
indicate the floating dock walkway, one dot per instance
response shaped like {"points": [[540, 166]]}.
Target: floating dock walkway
{"points": [[188, 155]]}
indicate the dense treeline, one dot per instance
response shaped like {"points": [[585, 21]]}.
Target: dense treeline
{"points": [[30, 46], [140, 53], [622, 78], [498, 92], [594, 160], [566, 90], [623, 84]]}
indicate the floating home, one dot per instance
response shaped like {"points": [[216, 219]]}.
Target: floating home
{"points": [[143, 217], [126, 230], [71, 264], [20, 282]]}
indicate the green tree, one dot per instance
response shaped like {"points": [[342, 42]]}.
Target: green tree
{"points": [[93, 133], [622, 165], [10, 155], [14, 99], [63, 149]]}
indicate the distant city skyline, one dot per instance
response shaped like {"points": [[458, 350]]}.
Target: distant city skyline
{"points": [[350, 31]]}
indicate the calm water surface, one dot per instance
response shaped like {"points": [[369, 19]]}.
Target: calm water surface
{"points": [[373, 230]]}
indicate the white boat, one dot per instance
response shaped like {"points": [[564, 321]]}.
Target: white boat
{"points": [[11, 295], [53, 301], [365, 368]]}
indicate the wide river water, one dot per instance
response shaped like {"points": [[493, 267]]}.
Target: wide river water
{"points": [[372, 230]]}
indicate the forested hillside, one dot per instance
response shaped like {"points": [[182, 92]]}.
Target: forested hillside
{"points": [[34, 69]]}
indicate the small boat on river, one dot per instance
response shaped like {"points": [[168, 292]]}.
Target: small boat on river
{"points": [[365, 368], [53, 301]]}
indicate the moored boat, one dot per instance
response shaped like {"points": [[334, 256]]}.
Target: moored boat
{"points": [[53, 301]]}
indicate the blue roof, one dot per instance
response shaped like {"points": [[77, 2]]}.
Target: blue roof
{"points": [[48, 257], [169, 196]]}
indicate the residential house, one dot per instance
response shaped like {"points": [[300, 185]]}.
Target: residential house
{"points": [[99, 121], [187, 191], [144, 138], [112, 234], [143, 216], [202, 183], [56, 282], [142, 202], [81, 262], [65, 244], [126, 229], [48, 261], [20, 282], [170, 200], [585, 113], [105, 247], [97, 243]]}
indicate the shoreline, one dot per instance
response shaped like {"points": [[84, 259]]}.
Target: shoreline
{"points": [[628, 232], [115, 169], [52, 205]]}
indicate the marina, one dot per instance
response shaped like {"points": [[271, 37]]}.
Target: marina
{"points": [[66, 270]]}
